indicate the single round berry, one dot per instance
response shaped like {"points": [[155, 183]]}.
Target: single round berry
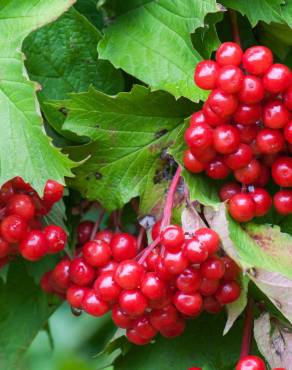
{"points": [[34, 246], [204, 155], [229, 53], [226, 139], [152, 259], [106, 287], [247, 114], [60, 278], [257, 59], [212, 268], [275, 114], [21, 205], [81, 273], [161, 270], [242, 207], [152, 287], [56, 238], [189, 281], [188, 304], [129, 274], [227, 292], [195, 251], [249, 174], [6, 192], [287, 98], [288, 132], [191, 163], [104, 235], [155, 232], [209, 286], [270, 141], [252, 90], [232, 270], [240, 158], [121, 319], [13, 228], [282, 171], [84, 231], [93, 305], [144, 327], [197, 118], [172, 238], [4, 247], [277, 78], [263, 201], [135, 338], [174, 330], [97, 253], [229, 189], [123, 246], [247, 133], [45, 283], [175, 262], [283, 202], [206, 74], [75, 295], [199, 136], [212, 118], [209, 239], [53, 191], [217, 169], [221, 103], [211, 305], [133, 302], [251, 363], [164, 317], [111, 266], [229, 79]]}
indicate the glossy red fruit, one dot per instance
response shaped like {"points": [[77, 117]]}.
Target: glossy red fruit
{"points": [[229, 79], [206, 74], [229, 53], [209, 286], [56, 238], [123, 246], [172, 238], [226, 139], [257, 59], [175, 262], [264, 176], [133, 302], [197, 118], [212, 118], [252, 90], [60, 278], [84, 231], [242, 207], [209, 239], [199, 136], [151, 260], [191, 163], [229, 189], [251, 363], [247, 133], [263, 201], [164, 317], [249, 174], [81, 273], [13, 228], [97, 253], [240, 158], [217, 169], [211, 305], [277, 78], [6, 192], [275, 114], [194, 368], [34, 246], [188, 304], [53, 191], [270, 141], [287, 98], [135, 338], [93, 305], [221, 103], [46, 284], [144, 327], [104, 235], [204, 155], [155, 232], [247, 114], [121, 319], [283, 202], [227, 292], [129, 274], [161, 271], [4, 247], [111, 266], [212, 268], [21, 205], [75, 295], [282, 171], [189, 281], [195, 251], [106, 287], [152, 287], [232, 270], [174, 330], [288, 132]]}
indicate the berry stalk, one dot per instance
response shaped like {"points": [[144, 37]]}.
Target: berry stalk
{"points": [[247, 330], [234, 25]]}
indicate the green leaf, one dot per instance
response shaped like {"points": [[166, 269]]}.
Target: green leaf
{"points": [[62, 57], [128, 133], [89, 9], [24, 149], [136, 42], [201, 345], [23, 312]]}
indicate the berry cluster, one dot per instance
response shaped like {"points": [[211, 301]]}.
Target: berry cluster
{"points": [[21, 210], [244, 128], [148, 291]]}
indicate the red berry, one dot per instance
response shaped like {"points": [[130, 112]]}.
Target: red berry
{"points": [[247, 133], [151, 260], [60, 278], [257, 59], [84, 231], [209, 239], [231, 268], [217, 169], [283, 202], [221, 103], [251, 363], [282, 171], [104, 235], [247, 114], [229, 189], [123, 246], [97, 253], [13, 228], [240, 158], [129, 274], [144, 327], [175, 262], [133, 302], [211, 305], [174, 330], [191, 163], [56, 238], [277, 78], [161, 271], [212, 268], [199, 136], [4, 247], [188, 304], [252, 90], [121, 319], [106, 287], [204, 155], [249, 174], [172, 238], [53, 191], [264, 176], [288, 132], [45, 283], [229, 79], [270, 141], [152, 287], [6, 192], [197, 118], [93, 305], [75, 295], [21, 205], [275, 114], [111, 266], [189, 281], [135, 338], [229, 53], [212, 118], [227, 292], [263, 201], [287, 98], [195, 251], [163, 317], [155, 232], [209, 286], [242, 207], [226, 139], [81, 273], [206, 74], [34, 246]]}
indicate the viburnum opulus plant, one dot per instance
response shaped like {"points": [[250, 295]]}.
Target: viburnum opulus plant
{"points": [[146, 185]]}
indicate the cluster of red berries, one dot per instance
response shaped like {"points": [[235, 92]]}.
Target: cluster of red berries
{"points": [[147, 293], [244, 128], [21, 210]]}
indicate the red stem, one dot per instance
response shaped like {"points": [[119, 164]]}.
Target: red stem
{"points": [[97, 223], [247, 330], [145, 252], [140, 238], [234, 25]]}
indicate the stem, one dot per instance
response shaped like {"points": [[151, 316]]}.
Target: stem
{"points": [[247, 330], [145, 252], [96, 224], [234, 25], [140, 237]]}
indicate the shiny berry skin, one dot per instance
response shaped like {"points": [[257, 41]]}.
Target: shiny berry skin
{"points": [[60, 277], [249, 174], [144, 327], [242, 207], [263, 201], [13, 228], [123, 246], [232, 270], [133, 302], [247, 133], [221, 103], [151, 260], [197, 118], [46, 284], [155, 232], [135, 338], [240, 158], [257, 59], [121, 319], [229, 79], [6, 192], [152, 287], [97, 253], [175, 262], [229, 53], [84, 231], [283, 202], [161, 270], [4, 247], [217, 169], [288, 132], [129, 274], [174, 330], [199, 136], [204, 155], [111, 266], [189, 281], [93, 305], [164, 317], [282, 171], [53, 191], [81, 273], [277, 78], [264, 176], [252, 90], [212, 118], [104, 235], [211, 305], [75, 295], [34, 246], [247, 114], [106, 287], [191, 163], [275, 114], [270, 141], [209, 286], [172, 238], [195, 251], [194, 368], [227, 292], [206, 74], [56, 238], [229, 189], [226, 139], [209, 239], [251, 363], [287, 98], [21, 205], [212, 268], [188, 304]]}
